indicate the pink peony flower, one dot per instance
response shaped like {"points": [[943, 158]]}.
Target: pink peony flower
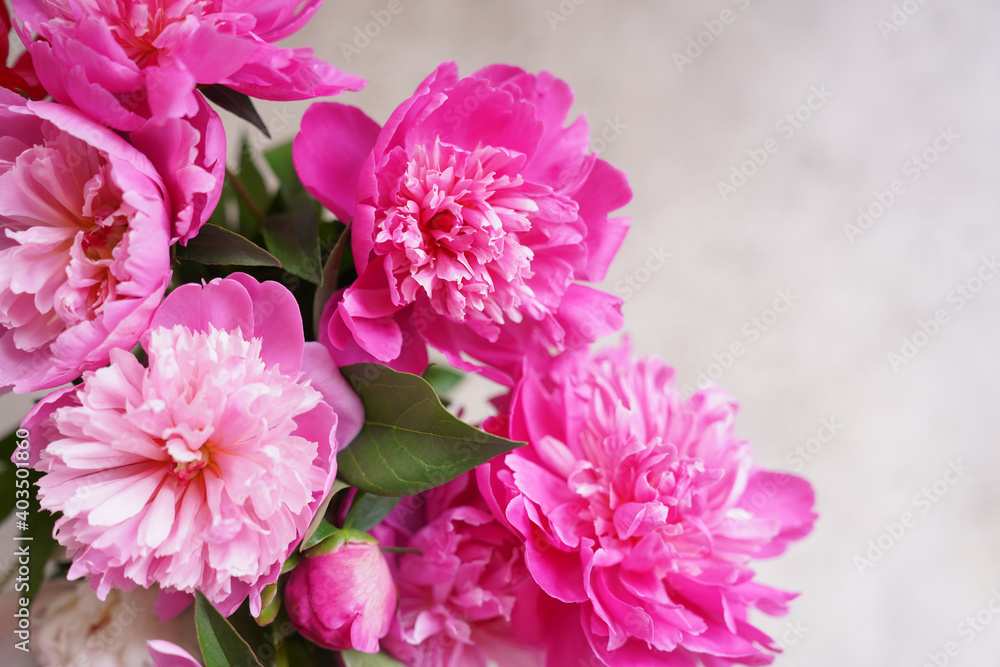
{"points": [[641, 512], [466, 597], [166, 654], [341, 595], [123, 62], [475, 215], [85, 224], [202, 470]]}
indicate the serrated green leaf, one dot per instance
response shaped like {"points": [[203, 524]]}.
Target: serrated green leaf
{"points": [[368, 510], [293, 238], [409, 442], [221, 645], [221, 247], [359, 659]]}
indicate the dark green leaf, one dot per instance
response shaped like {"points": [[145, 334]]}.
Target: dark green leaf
{"points": [[358, 659], [252, 191], [8, 477], [219, 246], [323, 531], [368, 510], [330, 278], [279, 158], [409, 442], [235, 103], [293, 238], [221, 645]]}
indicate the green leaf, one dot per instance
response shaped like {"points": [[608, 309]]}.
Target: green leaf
{"points": [[221, 645], [443, 378], [252, 191], [323, 531], [235, 103], [219, 246], [359, 659], [8, 479], [409, 442], [279, 158], [293, 238], [330, 278], [368, 510]]}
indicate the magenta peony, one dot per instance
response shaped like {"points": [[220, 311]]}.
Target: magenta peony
{"points": [[341, 595], [641, 511], [123, 62], [167, 654], [475, 217], [202, 470], [85, 226], [465, 598]]}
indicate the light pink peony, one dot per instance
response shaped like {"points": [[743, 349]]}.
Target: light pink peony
{"points": [[466, 597], [475, 217], [642, 511], [341, 595], [85, 226], [202, 470], [125, 61]]}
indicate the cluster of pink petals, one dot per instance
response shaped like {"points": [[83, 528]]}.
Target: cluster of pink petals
{"points": [[202, 470], [85, 226], [641, 511], [125, 61], [465, 598], [475, 215]]}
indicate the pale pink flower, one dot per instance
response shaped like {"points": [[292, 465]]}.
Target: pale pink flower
{"points": [[641, 511], [475, 217], [202, 470], [85, 227], [70, 626], [341, 595], [125, 61], [466, 597]]}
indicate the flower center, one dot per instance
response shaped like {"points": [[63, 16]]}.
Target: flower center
{"points": [[452, 233]]}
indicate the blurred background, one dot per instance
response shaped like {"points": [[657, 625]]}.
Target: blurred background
{"points": [[815, 228]]}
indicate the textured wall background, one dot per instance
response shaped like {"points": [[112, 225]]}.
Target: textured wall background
{"points": [[881, 92]]}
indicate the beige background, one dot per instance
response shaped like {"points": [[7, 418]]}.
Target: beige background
{"points": [[681, 130]]}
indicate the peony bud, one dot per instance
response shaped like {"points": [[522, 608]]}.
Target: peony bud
{"points": [[341, 595]]}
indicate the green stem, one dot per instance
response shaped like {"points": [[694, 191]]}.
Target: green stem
{"points": [[244, 194]]}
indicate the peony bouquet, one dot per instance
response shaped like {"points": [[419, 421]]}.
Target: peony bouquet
{"points": [[245, 444]]}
